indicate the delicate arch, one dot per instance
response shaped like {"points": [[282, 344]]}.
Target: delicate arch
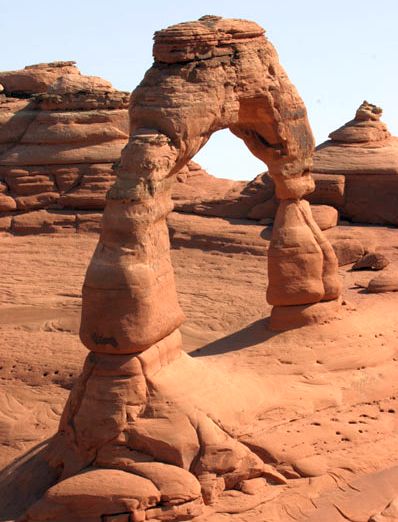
{"points": [[207, 75]]}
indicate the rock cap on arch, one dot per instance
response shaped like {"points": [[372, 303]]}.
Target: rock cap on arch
{"points": [[205, 38]]}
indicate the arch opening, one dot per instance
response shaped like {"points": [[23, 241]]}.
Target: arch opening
{"points": [[227, 156]]}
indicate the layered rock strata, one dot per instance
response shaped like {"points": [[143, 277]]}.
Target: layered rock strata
{"points": [[168, 457], [200, 193], [365, 153], [60, 133]]}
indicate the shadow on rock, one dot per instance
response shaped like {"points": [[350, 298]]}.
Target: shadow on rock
{"points": [[255, 333], [24, 481]]}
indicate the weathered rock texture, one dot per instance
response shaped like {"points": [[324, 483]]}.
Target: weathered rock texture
{"points": [[305, 383], [171, 456], [365, 153], [60, 133], [200, 193]]}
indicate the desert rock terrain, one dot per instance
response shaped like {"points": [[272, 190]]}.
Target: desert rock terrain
{"points": [[242, 370], [333, 420]]}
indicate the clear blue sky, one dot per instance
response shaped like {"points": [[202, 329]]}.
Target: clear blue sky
{"points": [[337, 53]]}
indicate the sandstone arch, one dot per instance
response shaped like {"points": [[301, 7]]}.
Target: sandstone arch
{"points": [[208, 75], [122, 423]]}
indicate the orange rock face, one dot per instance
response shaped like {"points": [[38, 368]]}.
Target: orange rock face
{"points": [[56, 77], [60, 133]]}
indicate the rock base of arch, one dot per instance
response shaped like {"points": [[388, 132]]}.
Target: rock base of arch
{"points": [[289, 317], [133, 442]]}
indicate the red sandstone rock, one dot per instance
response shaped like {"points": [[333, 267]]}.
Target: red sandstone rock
{"points": [[92, 494], [42, 222], [348, 251], [82, 110], [292, 283], [88, 221], [147, 96], [57, 148], [129, 283], [50, 77], [7, 203], [295, 237], [216, 234], [310, 376], [367, 155], [302, 315], [209, 74], [198, 192], [389, 514], [350, 245], [329, 190], [371, 261], [385, 282], [324, 216], [5, 223], [88, 113], [361, 146], [265, 210]]}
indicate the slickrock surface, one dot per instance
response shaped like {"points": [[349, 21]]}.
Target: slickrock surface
{"points": [[365, 153], [339, 377]]}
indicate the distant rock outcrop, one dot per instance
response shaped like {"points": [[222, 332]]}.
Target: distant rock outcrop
{"points": [[60, 132], [365, 153]]}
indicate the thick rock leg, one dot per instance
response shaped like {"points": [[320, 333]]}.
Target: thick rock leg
{"points": [[130, 283], [295, 260]]}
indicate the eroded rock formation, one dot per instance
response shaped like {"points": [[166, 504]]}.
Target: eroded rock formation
{"points": [[365, 153], [200, 193], [167, 456], [60, 133]]}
